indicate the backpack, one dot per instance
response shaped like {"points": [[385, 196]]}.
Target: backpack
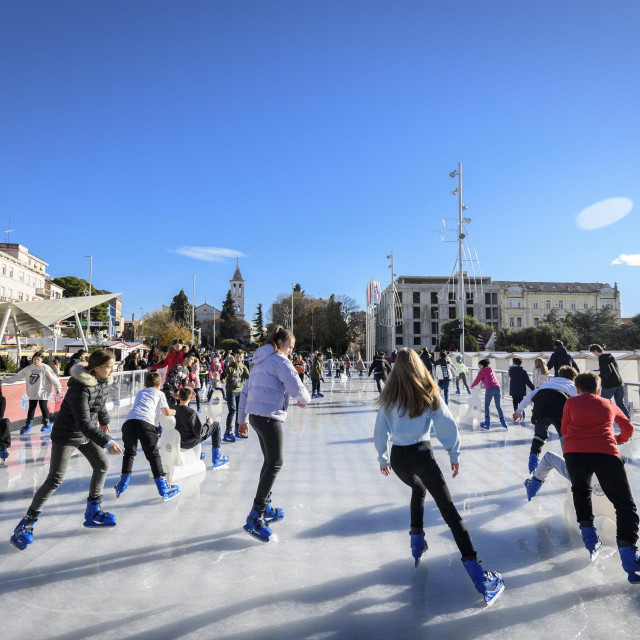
{"points": [[548, 403]]}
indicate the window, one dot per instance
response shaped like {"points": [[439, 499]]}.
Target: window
{"points": [[491, 298], [11, 272], [452, 296], [416, 341], [399, 294], [518, 322], [586, 305], [416, 328], [511, 322], [469, 297], [434, 297], [416, 297], [398, 341], [28, 279], [573, 305], [519, 304], [491, 313], [20, 296], [548, 304], [434, 328], [560, 304], [452, 313], [1, 291], [434, 313], [470, 311], [535, 305], [536, 322], [4, 269], [434, 341], [416, 313], [21, 276]]}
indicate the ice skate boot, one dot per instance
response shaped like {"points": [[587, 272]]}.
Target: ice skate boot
{"points": [[272, 514], [532, 485], [418, 546], [457, 392], [122, 484], [533, 462], [591, 541], [46, 427], [314, 395], [218, 459], [320, 395], [503, 423], [203, 455], [630, 562], [4, 454], [256, 526], [94, 516], [26, 428], [23, 534], [166, 491], [228, 436], [488, 583], [486, 424]]}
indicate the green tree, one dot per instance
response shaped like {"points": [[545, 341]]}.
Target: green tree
{"points": [[258, 324], [228, 308], [181, 309], [600, 326], [473, 329]]}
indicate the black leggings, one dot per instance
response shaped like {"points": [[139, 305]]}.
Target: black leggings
{"points": [[379, 380], [145, 432], [44, 409], [612, 477], [416, 467], [315, 385], [541, 430], [271, 437]]}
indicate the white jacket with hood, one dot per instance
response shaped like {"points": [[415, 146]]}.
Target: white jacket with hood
{"points": [[557, 384], [272, 382]]}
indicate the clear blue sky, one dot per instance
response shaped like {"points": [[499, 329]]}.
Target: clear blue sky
{"points": [[314, 137]]}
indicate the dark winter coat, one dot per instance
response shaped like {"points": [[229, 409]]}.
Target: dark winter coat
{"points": [[548, 403], [379, 367], [177, 378], [559, 358], [74, 360], [82, 410], [609, 372], [426, 358], [519, 381]]}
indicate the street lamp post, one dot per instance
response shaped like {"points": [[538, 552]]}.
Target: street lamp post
{"points": [[141, 316], [90, 288], [461, 236]]}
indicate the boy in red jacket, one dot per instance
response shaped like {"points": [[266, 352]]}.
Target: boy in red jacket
{"points": [[591, 447]]}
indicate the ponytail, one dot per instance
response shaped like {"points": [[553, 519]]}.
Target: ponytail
{"points": [[280, 335]]}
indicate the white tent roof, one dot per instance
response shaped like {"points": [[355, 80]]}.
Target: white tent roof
{"points": [[32, 317]]}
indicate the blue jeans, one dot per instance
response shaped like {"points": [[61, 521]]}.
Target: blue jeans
{"points": [[233, 401], [444, 388], [617, 393], [492, 394]]}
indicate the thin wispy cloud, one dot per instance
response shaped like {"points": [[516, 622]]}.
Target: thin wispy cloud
{"points": [[208, 254], [604, 213], [630, 259]]}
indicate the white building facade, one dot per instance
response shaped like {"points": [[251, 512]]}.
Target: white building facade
{"points": [[23, 276]]}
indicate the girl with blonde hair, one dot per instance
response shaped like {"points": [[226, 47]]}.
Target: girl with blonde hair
{"points": [[410, 409], [540, 373]]}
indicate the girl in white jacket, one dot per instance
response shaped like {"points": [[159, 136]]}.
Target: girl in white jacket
{"points": [[39, 379]]}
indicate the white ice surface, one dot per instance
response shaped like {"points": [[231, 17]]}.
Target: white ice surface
{"points": [[341, 565]]}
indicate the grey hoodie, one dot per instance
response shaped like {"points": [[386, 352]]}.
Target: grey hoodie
{"points": [[272, 381], [557, 384], [38, 380]]}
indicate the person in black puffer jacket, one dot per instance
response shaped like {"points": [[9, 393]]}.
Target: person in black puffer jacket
{"points": [[560, 357], [83, 424], [379, 367], [518, 382]]}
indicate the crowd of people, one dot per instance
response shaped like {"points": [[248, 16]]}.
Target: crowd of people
{"points": [[413, 404]]}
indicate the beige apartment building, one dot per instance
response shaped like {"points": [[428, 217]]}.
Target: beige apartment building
{"points": [[525, 304], [23, 276]]}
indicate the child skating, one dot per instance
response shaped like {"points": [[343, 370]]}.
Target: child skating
{"points": [[140, 426], [265, 399], [39, 381], [82, 424], [518, 382], [234, 378], [410, 408], [193, 432], [492, 392], [591, 448], [463, 372]]}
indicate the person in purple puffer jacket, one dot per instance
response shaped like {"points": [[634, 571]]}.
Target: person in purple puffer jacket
{"points": [[492, 392], [265, 399]]}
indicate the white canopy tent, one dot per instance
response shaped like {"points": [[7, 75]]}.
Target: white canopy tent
{"points": [[33, 317]]}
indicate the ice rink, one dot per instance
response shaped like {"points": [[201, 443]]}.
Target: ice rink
{"points": [[341, 565]]}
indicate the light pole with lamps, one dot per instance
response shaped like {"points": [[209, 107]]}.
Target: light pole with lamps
{"points": [[90, 288]]}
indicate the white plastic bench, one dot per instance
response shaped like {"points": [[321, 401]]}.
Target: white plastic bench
{"points": [[602, 508], [177, 462]]}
